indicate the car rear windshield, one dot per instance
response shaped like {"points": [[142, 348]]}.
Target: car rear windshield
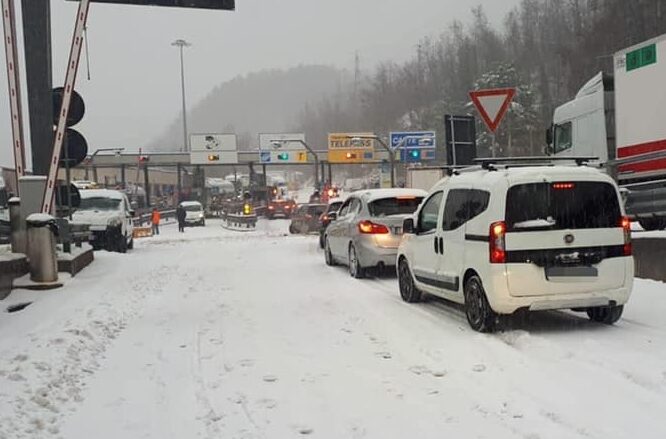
{"points": [[99, 203], [394, 206], [559, 206]]}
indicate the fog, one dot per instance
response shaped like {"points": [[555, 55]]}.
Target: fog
{"points": [[134, 89]]}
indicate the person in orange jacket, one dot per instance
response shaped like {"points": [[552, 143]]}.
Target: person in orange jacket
{"points": [[155, 221]]}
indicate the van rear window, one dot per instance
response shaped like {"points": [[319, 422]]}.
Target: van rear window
{"points": [[559, 206]]}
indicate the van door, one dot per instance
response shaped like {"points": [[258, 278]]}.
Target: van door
{"points": [[425, 243], [462, 205]]}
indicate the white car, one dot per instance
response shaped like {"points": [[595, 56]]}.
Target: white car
{"points": [[532, 238], [110, 218], [194, 213]]}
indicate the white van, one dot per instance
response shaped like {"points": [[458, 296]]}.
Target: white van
{"points": [[194, 213], [500, 240]]}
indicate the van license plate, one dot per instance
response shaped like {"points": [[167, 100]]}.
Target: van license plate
{"points": [[571, 272]]}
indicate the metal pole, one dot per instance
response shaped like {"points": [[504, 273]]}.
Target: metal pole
{"points": [[123, 183], [453, 142], [146, 183], [179, 182], [316, 162], [182, 44], [330, 173], [182, 83], [391, 158], [37, 53]]}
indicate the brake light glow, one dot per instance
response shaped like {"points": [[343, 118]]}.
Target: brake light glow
{"points": [[563, 186], [370, 228], [497, 247], [625, 223]]}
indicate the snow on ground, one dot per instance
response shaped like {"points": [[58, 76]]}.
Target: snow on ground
{"points": [[221, 334]]}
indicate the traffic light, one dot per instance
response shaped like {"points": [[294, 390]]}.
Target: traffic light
{"points": [[415, 154], [214, 158], [74, 147], [351, 156], [143, 159], [283, 156]]}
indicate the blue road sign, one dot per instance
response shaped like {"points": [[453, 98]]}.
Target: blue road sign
{"points": [[265, 156], [414, 139]]}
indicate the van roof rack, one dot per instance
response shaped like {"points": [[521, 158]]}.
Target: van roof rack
{"points": [[487, 163]]}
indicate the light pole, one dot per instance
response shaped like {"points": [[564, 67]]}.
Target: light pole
{"points": [[181, 44], [279, 143], [391, 153], [92, 159]]}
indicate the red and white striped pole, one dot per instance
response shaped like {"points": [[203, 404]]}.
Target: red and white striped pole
{"points": [[70, 81], [13, 76]]}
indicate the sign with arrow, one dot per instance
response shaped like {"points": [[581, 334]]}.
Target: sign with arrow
{"points": [[493, 105]]}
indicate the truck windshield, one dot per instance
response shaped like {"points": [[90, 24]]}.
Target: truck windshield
{"points": [[394, 206], [559, 206], [99, 203]]}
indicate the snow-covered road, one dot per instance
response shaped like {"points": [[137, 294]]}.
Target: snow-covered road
{"points": [[220, 334]]}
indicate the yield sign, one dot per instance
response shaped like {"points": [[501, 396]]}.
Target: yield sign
{"points": [[493, 105]]}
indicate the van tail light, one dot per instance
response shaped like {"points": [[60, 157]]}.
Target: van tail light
{"points": [[625, 223], [370, 228], [498, 243]]}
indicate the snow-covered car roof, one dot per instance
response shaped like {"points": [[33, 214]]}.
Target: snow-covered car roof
{"points": [[190, 203], [370, 195], [340, 199], [102, 193]]}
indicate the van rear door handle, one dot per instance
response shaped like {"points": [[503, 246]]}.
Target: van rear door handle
{"points": [[436, 245], [441, 246]]}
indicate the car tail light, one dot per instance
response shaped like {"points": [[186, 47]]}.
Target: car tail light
{"points": [[625, 223], [370, 228], [271, 207], [498, 243]]}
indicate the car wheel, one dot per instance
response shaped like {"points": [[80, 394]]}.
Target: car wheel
{"points": [[321, 241], [292, 229], [605, 314], [355, 269], [130, 246], [408, 290], [480, 315], [330, 260]]}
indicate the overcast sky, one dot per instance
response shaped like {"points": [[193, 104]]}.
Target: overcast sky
{"points": [[134, 91]]}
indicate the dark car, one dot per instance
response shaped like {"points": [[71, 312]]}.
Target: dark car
{"points": [[306, 218], [325, 219], [283, 208]]}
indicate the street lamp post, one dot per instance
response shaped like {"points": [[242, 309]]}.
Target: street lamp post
{"points": [[279, 143], [391, 153], [92, 158], [181, 44]]}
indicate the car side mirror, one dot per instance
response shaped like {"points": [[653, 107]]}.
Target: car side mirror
{"points": [[408, 226], [549, 135], [132, 213], [333, 216]]}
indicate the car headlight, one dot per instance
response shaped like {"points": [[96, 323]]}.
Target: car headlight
{"points": [[114, 222], [201, 215]]}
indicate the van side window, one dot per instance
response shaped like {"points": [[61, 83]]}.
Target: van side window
{"points": [[463, 205], [563, 137], [429, 213]]}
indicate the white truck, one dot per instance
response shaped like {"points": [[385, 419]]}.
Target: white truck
{"points": [[424, 177], [621, 119]]}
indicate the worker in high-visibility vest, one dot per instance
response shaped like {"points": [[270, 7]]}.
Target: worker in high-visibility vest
{"points": [[155, 221]]}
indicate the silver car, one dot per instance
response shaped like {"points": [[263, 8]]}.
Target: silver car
{"points": [[366, 231]]}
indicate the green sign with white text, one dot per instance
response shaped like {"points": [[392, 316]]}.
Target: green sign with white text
{"points": [[642, 57]]}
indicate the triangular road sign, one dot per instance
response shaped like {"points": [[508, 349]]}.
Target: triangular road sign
{"points": [[493, 105]]}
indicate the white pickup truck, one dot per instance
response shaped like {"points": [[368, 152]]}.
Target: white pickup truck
{"points": [[110, 218]]}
